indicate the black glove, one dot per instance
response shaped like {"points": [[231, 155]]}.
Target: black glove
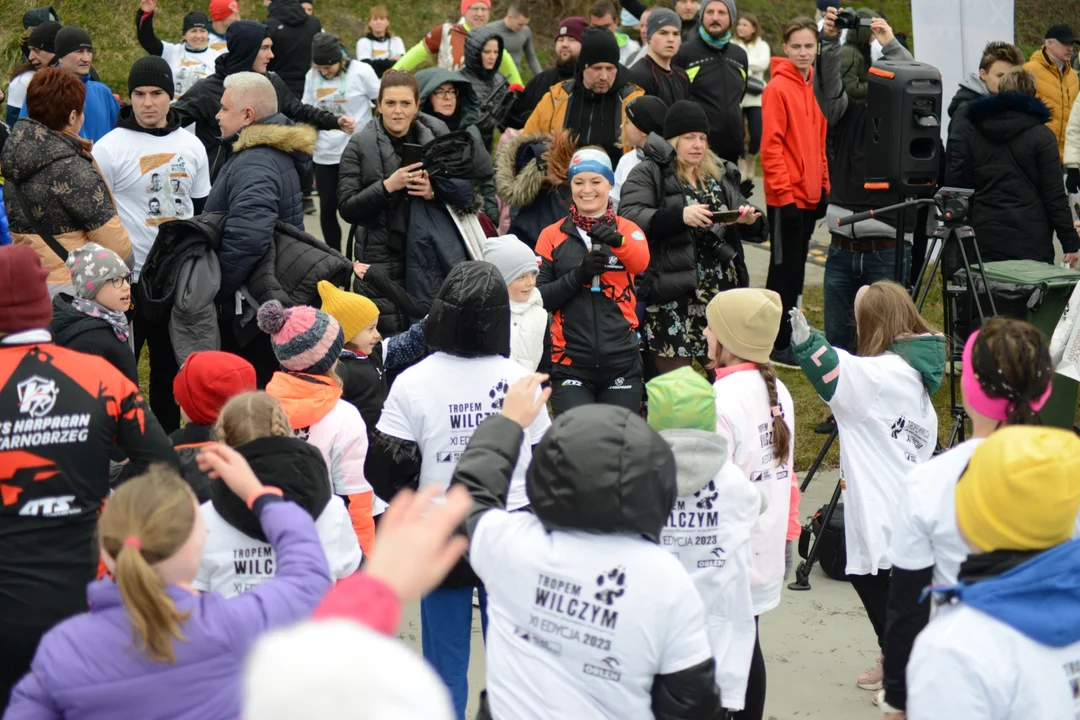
{"points": [[823, 205], [1072, 180], [594, 263], [606, 235]]}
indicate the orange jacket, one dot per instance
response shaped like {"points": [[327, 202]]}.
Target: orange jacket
{"points": [[1055, 88], [793, 162]]}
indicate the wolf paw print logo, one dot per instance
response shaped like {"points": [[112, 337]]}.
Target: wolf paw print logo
{"points": [[611, 585], [498, 394], [898, 426], [303, 433], [707, 496], [37, 396]]}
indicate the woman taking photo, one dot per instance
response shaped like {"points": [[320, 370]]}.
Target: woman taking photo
{"points": [[794, 167], [587, 266], [345, 89], [887, 424], [398, 211], [380, 48], [672, 195], [758, 55]]}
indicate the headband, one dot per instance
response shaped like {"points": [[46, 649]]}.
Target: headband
{"points": [[995, 408], [594, 161]]}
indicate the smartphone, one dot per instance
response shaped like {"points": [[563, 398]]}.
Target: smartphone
{"points": [[727, 216], [413, 154]]}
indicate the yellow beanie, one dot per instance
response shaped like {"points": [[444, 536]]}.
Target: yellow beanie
{"points": [[1021, 490], [353, 312], [745, 322]]}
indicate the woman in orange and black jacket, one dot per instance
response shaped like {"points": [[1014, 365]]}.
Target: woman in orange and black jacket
{"points": [[587, 266]]}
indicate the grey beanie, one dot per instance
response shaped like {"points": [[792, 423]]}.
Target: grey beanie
{"points": [[510, 256], [661, 18], [730, 8], [92, 266]]}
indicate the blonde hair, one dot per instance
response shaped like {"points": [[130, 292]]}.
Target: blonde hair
{"points": [[146, 521], [884, 313], [250, 416], [1018, 80], [708, 167]]}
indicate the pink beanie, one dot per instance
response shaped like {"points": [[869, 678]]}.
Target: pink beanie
{"points": [[995, 408], [305, 340]]}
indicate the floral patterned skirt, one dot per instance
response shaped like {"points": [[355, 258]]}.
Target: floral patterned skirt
{"points": [[676, 329]]}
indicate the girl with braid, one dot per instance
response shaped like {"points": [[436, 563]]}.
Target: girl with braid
{"points": [[754, 416], [238, 556], [1006, 381], [887, 425]]}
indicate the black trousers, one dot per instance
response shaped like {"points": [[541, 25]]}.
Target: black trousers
{"points": [[754, 707], [572, 386], [163, 368], [753, 123], [19, 642], [873, 591], [326, 177], [787, 277]]}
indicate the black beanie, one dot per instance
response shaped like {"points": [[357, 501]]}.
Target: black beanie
{"points": [[71, 38], [243, 40], [196, 20], [326, 49], [647, 113], [598, 46], [43, 37], [151, 71], [685, 116]]}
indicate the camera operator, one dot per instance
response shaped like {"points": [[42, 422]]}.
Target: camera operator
{"points": [[863, 253]]}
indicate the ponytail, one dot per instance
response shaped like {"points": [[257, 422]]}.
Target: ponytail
{"points": [[147, 521], [781, 431], [1011, 361]]}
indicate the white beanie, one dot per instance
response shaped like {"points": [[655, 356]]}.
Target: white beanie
{"points": [[339, 669], [512, 257]]}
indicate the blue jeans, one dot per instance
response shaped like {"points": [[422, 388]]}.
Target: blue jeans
{"points": [[845, 273], [446, 637]]}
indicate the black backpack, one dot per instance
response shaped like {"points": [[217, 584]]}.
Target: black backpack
{"points": [[832, 553]]}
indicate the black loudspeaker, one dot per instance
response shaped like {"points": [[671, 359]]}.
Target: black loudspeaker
{"points": [[903, 127]]}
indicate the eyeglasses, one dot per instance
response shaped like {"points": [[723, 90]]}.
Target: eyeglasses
{"points": [[444, 93], [118, 282]]}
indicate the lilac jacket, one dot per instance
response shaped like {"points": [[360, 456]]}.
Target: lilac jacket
{"points": [[87, 668]]}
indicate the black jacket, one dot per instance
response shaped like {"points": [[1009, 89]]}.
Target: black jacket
{"points": [[669, 86], [490, 92], [534, 91], [188, 442], [1013, 165], [653, 197], [259, 186], [363, 384], [600, 469], [718, 82], [201, 103], [292, 31], [524, 182], [960, 128], [177, 242], [93, 336], [292, 267]]}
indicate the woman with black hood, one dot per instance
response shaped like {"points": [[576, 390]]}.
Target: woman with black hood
{"points": [[590, 611], [491, 93], [429, 417]]}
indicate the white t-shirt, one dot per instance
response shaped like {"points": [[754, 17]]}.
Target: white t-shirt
{"points": [[16, 94], [234, 563], [438, 404], [924, 526], [627, 162], [579, 623], [388, 48], [218, 43], [709, 533], [744, 419], [188, 66], [153, 180], [345, 95], [887, 427], [967, 664]]}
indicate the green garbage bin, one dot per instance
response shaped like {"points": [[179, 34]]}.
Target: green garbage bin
{"points": [[1051, 288]]}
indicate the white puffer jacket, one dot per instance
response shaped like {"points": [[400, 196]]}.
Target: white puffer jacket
{"points": [[528, 324]]}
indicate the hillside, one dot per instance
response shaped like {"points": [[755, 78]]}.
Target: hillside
{"points": [[112, 24]]}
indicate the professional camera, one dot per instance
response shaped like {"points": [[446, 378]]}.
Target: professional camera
{"points": [[848, 19], [954, 205]]}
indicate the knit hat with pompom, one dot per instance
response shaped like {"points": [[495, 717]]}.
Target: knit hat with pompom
{"points": [[304, 339]]}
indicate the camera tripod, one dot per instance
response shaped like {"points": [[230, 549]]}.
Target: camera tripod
{"points": [[952, 207]]}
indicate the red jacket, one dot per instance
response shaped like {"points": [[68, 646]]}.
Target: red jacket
{"points": [[793, 161]]}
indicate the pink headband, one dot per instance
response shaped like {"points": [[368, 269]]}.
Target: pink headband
{"points": [[992, 407]]}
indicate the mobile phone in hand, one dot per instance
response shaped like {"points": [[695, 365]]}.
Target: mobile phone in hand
{"points": [[727, 216], [412, 154]]}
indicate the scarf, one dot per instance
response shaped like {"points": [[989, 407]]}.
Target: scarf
{"points": [[983, 566], [715, 43], [587, 223], [117, 320]]}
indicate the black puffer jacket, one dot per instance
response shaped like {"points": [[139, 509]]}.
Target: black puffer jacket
{"points": [[960, 127], [292, 267], [188, 442], [259, 186], [653, 197], [93, 336], [1013, 165], [491, 100], [718, 82], [292, 31]]}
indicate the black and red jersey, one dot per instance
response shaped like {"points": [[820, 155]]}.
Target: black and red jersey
{"points": [[61, 412], [591, 329]]}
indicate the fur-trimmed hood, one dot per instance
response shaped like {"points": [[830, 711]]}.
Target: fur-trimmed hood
{"points": [[1003, 116], [531, 163], [278, 132]]}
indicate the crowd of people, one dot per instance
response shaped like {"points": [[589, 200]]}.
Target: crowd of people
{"points": [[531, 377]]}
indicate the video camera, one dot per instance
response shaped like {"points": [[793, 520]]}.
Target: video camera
{"points": [[848, 19], [954, 205]]}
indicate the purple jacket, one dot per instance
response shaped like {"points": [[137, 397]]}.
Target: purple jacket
{"points": [[87, 668]]}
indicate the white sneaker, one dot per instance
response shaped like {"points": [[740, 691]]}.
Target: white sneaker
{"points": [[879, 697], [872, 678], [475, 598]]}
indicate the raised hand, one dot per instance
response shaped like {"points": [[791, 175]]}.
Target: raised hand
{"points": [[522, 402]]}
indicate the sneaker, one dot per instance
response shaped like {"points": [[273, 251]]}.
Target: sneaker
{"points": [[872, 678], [475, 598], [784, 358], [825, 427], [309, 206], [879, 697]]}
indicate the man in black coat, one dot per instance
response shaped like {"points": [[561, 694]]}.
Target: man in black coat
{"points": [[293, 32], [717, 69], [655, 73], [567, 49], [250, 50]]}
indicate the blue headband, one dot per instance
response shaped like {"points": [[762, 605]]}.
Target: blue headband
{"points": [[594, 161]]}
